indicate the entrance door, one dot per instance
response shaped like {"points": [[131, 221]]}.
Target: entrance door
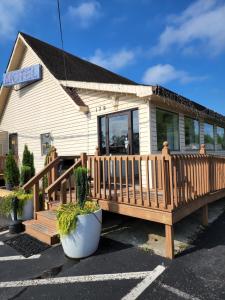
{"points": [[119, 133], [13, 143]]}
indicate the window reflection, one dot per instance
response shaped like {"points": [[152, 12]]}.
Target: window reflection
{"points": [[209, 136], [118, 134], [192, 133], [167, 129], [135, 118]]}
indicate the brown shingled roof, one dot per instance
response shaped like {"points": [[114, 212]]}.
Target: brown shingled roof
{"points": [[77, 69]]}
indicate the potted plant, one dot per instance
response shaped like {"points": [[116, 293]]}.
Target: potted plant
{"points": [[79, 224], [11, 172], [25, 208]]}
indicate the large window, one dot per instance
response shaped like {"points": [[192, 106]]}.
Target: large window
{"points": [[119, 133], [192, 133], [167, 129], [209, 136], [220, 138], [45, 143]]}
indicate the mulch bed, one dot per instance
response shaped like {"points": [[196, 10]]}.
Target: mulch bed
{"points": [[26, 245]]}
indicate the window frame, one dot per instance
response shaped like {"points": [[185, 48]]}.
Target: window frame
{"points": [[41, 135], [178, 121], [128, 112]]}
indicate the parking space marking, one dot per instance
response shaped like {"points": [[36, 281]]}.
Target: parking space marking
{"points": [[19, 257], [85, 278], [178, 292], [145, 283], [4, 232]]}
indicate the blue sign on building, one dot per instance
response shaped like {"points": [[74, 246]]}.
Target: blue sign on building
{"points": [[22, 76]]}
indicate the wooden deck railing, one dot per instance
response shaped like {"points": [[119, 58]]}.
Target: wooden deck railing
{"points": [[138, 180], [64, 184], [163, 181]]}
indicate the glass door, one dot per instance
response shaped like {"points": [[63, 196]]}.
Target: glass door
{"points": [[13, 143], [118, 135]]}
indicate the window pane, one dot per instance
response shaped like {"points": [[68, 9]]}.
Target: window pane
{"points": [[102, 136], [167, 129], [192, 133], [118, 134], [135, 132], [220, 138], [209, 136]]}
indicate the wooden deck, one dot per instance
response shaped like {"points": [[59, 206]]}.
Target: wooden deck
{"points": [[162, 188]]}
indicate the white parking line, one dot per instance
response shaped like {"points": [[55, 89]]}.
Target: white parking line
{"points": [[79, 279], [178, 292], [1, 244], [19, 257], [144, 284], [4, 232]]}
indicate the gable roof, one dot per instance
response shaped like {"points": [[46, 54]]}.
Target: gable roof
{"points": [[77, 69]]}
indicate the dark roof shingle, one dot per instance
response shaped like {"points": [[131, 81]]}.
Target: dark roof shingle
{"points": [[77, 69]]}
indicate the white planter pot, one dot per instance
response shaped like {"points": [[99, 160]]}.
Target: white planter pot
{"points": [[28, 211], [84, 240]]}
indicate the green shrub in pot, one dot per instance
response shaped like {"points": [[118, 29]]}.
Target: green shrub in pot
{"points": [[6, 202], [79, 224]]}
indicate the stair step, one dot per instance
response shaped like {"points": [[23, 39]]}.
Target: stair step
{"points": [[53, 205], [47, 217], [42, 232]]}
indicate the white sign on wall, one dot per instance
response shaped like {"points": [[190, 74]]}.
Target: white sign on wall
{"points": [[22, 76]]}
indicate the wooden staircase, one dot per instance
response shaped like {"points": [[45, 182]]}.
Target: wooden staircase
{"points": [[43, 227], [58, 190]]}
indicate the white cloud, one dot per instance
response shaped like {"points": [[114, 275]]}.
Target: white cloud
{"points": [[161, 74], [10, 14], [113, 61], [203, 23], [85, 13]]}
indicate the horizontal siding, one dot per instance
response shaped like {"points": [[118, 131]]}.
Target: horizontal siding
{"points": [[44, 107]]}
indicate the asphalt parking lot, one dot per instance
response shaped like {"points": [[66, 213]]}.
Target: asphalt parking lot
{"points": [[118, 271]]}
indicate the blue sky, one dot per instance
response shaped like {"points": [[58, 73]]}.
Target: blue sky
{"points": [[179, 44]]}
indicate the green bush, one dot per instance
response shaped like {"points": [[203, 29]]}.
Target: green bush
{"points": [[25, 175], [81, 183], [28, 160], [11, 171], [67, 215], [6, 202]]}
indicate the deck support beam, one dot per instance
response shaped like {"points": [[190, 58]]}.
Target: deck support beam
{"points": [[169, 241], [204, 215]]}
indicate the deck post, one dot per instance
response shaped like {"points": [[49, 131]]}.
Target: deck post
{"points": [[202, 150], [169, 241], [204, 215], [83, 157]]}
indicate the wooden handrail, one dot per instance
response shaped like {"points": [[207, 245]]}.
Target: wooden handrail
{"points": [[42, 173], [51, 188]]}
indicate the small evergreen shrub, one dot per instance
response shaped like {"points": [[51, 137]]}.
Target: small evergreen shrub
{"points": [[28, 160], [26, 175], [81, 183], [11, 171]]}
